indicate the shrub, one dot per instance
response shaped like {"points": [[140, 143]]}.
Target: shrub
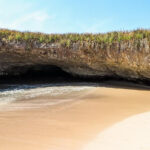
{"points": [[68, 39]]}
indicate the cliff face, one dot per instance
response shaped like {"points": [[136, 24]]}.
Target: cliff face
{"points": [[128, 58]]}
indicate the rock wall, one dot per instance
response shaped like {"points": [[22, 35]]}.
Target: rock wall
{"points": [[128, 59]]}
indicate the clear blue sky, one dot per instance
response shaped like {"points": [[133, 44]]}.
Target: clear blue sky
{"points": [[61, 16]]}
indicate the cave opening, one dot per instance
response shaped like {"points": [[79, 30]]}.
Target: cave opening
{"points": [[38, 74]]}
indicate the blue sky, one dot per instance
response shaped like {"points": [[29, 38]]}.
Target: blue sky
{"points": [[63, 16]]}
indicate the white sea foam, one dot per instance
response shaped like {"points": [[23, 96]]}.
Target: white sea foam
{"points": [[16, 92], [130, 134]]}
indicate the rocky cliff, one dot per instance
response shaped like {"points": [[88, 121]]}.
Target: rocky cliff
{"points": [[115, 54]]}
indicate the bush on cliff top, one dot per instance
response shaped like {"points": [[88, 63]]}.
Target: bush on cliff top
{"points": [[69, 38]]}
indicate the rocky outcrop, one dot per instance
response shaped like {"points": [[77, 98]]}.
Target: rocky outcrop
{"points": [[129, 59]]}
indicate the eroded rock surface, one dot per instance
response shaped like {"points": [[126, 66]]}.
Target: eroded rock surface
{"points": [[125, 59]]}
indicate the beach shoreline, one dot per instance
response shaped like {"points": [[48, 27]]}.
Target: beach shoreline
{"points": [[69, 125]]}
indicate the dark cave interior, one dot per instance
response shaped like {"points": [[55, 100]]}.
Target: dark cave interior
{"points": [[37, 74]]}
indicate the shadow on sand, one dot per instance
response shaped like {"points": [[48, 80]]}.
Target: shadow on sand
{"points": [[114, 83], [57, 77]]}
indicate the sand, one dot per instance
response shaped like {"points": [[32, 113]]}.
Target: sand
{"points": [[74, 124], [131, 134]]}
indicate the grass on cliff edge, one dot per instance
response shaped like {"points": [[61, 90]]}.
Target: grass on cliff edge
{"points": [[67, 39]]}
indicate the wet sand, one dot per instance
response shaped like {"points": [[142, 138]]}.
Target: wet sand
{"points": [[70, 125]]}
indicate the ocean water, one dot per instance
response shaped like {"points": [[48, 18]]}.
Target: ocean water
{"points": [[14, 93]]}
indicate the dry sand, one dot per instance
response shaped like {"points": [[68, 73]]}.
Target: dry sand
{"points": [[71, 125], [132, 133]]}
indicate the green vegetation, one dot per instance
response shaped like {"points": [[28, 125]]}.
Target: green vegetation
{"points": [[67, 39]]}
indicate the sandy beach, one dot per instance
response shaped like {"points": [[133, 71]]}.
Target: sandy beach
{"points": [[132, 133], [75, 122]]}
